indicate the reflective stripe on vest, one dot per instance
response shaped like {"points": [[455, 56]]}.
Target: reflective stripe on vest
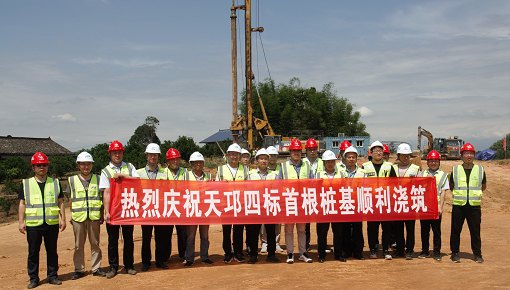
{"points": [[460, 189], [192, 177], [369, 169], [255, 175], [180, 173], [440, 181], [161, 174], [324, 175], [35, 211], [85, 203], [241, 173], [412, 171], [289, 172], [126, 169]]}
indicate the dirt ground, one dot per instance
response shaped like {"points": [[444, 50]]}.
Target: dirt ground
{"points": [[371, 273]]}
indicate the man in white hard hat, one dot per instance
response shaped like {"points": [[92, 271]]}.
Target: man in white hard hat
{"points": [[405, 169], [353, 233], [245, 157], [162, 233], [330, 171], [378, 168], [86, 204], [233, 171], [197, 174], [253, 230]]}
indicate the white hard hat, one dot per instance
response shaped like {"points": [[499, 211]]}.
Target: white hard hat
{"points": [[262, 152], [234, 148], [196, 156], [328, 155], [404, 149], [153, 148], [271, 150], [84, 157], [244, 151], [351, 149], [376, 144]]}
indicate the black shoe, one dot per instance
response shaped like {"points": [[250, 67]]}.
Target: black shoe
{"points": [[77, 275], [55, 281], [207, 262], [437, 256], [111, 273], [130, 271], [423, 255], [478, 259], [228, 258], [409, 256], [145, 267], [188, 264], [455, 257], [359, 257], [99, 273], [272, 259], [322, 259], [161, 265], [239, 258], [398, 255], [373, 254], [32, 284], [340, 258], [253, 260]]}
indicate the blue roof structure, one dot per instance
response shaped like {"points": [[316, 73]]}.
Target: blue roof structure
{"points": [[221, 135]]}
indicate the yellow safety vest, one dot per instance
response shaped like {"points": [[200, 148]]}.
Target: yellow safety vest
{"points": [[359, 173], [441, 178], [225, 174], [460, 189], [289, 172], [161, 174], [189, 175], [324, 175], [254, 174], [370, 170], [275, 171], [170, 174], [126, 169], [35, 211], [85, 203], [320, 164], [412, 171]]}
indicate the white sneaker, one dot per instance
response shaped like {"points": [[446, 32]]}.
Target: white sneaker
{"points": [[278, 248], [263, 249], [290, 258], [305, 258]]}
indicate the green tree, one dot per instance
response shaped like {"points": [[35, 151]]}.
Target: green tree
{"points": [[186, 146], [15, 167], [498, 147], [146, 133], [61, 165], [135, 154], [212, 150], [100, 155]]}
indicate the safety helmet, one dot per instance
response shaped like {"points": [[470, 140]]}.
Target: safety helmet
{"points": [[351, 149], [84, 157], [172, 153], [311, 143], [467, 147], [39, 158], [271, 150], [234, 148], [404, 149], [153, 148], [376, 144], [196, 156], [295, 145], [386, 148], [116, 146], [345, 145], [433, 155], [244, 151], [262, 152], [328, 155]]}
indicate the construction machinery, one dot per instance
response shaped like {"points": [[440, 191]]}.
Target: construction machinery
{"points": [[449, 148]]}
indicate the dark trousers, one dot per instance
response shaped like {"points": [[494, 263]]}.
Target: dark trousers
{"points": [[352, 237], [34, 239], [373, 234], [237, 240], [473, 215], [425, 234], [113, 245], [252, 238], [307, 229], [162, 237], [322, 238], [181, 240], [406, 242]]}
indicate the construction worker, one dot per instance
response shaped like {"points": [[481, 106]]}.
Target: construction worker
{"points": [[161, 232], [41, 215], [175, 172], [386, 153], [253, 230], [353, 242], [343, 146], [86, 204], [442, 184], [467, 181], [233, 171], [316, 165], [378, 168], [117, 169], [296, 168], [275, 168], [196, 173], [405, 169], [330, 171], [245, 157]]}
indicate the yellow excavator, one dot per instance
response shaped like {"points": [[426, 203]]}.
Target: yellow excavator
{"points": [[447, 148]]}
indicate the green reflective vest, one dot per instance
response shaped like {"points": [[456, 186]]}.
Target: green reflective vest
{"points": [[320, 164], [225, 174], [275, 171], [85, 203], [127, 168], [161, 174], [254, 174], [178, 176], [359, 173], [412, 171], [441, 178], [189, 175], [460, 189], [324, 175], [35, 211], [289, 172], [370, 170]]}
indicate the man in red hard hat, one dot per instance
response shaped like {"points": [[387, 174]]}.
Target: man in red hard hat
{"points": [[386, 152], [41, 214], [117, 169], [467, 181], [442, 184], [316, 165], [343, 146]]}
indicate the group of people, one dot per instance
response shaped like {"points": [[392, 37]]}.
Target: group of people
{"points": [[42, 215]]}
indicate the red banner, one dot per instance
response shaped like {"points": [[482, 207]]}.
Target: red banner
{"points": [[159, 202]]}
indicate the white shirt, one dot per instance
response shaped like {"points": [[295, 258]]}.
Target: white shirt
{"points": [[104, 182]]}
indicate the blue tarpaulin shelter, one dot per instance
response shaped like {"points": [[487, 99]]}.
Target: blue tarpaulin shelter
{"points": [[486, 154]]}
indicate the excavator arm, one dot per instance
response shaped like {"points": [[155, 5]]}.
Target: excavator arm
{"points": [[423, 132]]}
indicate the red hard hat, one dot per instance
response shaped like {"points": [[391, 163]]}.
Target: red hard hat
{"points": [[386, 148], [433, 155], [172, 153], [311, 143], [116, 146], [296, 145], [345, 145], [39, 158], [467, 147]]}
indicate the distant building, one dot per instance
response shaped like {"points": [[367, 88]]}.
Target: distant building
{"points": [[26, 147], [361, 143]]}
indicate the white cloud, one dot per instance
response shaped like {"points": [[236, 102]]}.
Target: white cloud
{"points": [[365, 112], [66, 118]]}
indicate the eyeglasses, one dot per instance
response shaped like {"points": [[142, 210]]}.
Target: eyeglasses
{"points": [[41, 165], [377, 151]]}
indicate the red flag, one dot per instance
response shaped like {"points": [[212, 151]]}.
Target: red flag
{"points": [[504, 144]]}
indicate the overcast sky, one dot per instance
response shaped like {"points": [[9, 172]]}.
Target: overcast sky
{"points": [[88, 72]]}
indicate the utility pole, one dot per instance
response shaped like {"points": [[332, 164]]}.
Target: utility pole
{"points": [[233, 18], [247, 39]]}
